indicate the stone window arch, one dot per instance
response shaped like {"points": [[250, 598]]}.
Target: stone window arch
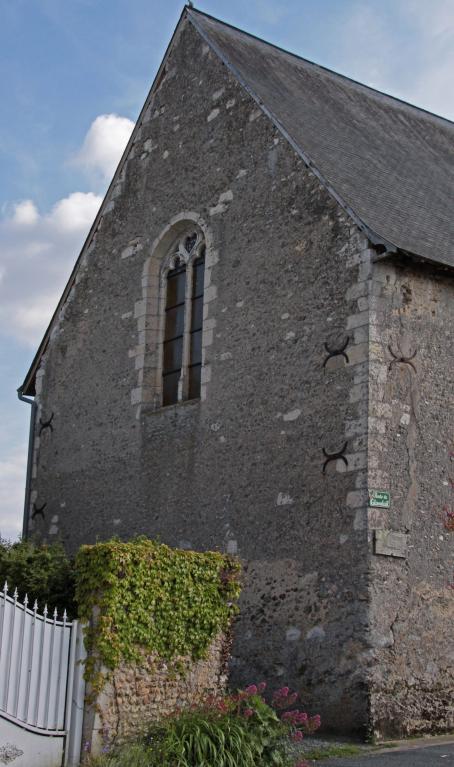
{"points": [[184, 247]]}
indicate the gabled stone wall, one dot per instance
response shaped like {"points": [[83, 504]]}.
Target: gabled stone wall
{"points": [[242, 469]]}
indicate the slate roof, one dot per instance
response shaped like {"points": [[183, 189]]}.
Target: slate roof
{"points": [[390, 164]]}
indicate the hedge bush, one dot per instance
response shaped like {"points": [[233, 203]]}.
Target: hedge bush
{"points": [[43, 572]]}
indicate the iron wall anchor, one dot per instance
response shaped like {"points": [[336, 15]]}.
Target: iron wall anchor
{"points": [[334, 457], [336, 352]]}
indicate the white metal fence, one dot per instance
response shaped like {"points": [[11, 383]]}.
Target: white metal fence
{"points": [[36, 666]]}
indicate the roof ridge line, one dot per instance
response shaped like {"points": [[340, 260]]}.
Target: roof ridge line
{"points": [[374, 237], [191, 9]]}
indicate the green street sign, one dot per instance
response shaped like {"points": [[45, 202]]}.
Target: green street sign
{"points": [[379, 499]]}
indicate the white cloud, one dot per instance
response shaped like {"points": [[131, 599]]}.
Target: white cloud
{"points": [[435, 19], [12, 485], [408, 53], [74, 213], [434, 26], [104, 144], [38, 250], [270, 12], [37, 253], [25, 213], [372, 64]]}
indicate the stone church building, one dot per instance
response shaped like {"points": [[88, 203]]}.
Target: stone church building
{"points": [[254, 353]]}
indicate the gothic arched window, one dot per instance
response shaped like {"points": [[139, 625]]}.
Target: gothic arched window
{"points": [[183, 324]]}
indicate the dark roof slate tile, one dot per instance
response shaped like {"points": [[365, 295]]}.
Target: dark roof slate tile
{"points": [[389, 162]]}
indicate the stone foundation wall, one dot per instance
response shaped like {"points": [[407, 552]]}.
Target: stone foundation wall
{"points": [[137, 694]]}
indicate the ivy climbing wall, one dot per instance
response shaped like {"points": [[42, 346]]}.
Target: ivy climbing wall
{"points": [[158, 627]]}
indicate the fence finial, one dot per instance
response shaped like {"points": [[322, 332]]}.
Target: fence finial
{"points": [[26, 600], [5, 588]]}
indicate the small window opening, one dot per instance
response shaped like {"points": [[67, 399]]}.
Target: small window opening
{"points": [[195, 345]]}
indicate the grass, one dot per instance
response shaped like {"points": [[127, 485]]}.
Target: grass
{"points": [[327, 752], [386, 744]]}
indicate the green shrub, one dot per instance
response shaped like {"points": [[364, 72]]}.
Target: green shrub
{"points": [[212, 740], [240, 730], [43, 572], [128, 755]]}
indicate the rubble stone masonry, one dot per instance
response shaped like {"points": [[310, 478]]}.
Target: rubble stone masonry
{"points": [[139, 693]]}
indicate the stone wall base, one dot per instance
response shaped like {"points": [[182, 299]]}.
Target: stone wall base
{"points": [[138, 694]]}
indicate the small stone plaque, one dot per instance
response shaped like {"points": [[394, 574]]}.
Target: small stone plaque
{"points": [[380, 499], [390, 544]]}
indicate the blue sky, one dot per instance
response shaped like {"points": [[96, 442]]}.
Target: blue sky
{"points": [[75, 74]]}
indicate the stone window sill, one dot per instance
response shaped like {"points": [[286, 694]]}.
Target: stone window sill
{"points": [[149, 410]]}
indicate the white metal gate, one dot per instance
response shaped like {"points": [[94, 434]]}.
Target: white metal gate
{"points": [[41, 685]]}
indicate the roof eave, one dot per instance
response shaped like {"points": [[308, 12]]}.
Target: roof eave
{"points": [[440, 264]]}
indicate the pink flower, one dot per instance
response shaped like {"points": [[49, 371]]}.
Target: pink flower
{"points": [[297, 736], [247, 712], [282, 693], [314, 723], [280, 698], [251, 690], [261, 687]]}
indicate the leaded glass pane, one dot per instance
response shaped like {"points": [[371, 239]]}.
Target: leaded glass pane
{"points": [[197, 313], [196, 348], [194, 381], [173, 355], [198, 277], [170, 388], [173, 334], [190, 241], [176, 287], [195, 351], [174, 322]]}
